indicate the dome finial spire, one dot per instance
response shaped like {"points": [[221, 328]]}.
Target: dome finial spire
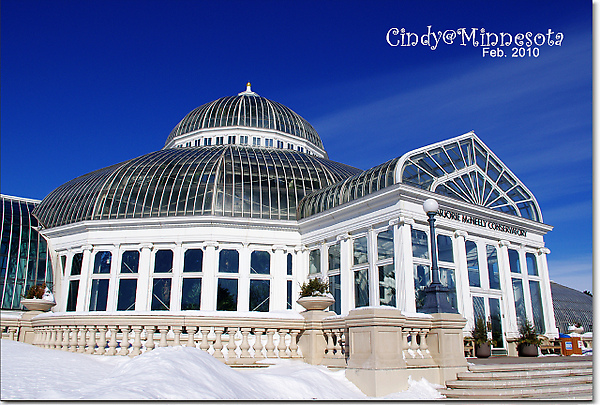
{"points": [[248, 89]]}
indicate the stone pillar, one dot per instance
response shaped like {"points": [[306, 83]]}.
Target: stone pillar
{"points": [[346, 276], [542, 262], [462, 276], [312, 342], [144, 287], [509, 324], [376, 365], [405, 273], [26, 332], [278, 299], [445, 342]]}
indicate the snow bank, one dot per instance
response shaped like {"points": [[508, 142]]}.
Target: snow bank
{"points": [[30, 372]]}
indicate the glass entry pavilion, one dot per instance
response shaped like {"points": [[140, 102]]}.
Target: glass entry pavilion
{"points": [[242, 205]]}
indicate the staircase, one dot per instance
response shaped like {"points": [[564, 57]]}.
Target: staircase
{"points": [[560, 380]]}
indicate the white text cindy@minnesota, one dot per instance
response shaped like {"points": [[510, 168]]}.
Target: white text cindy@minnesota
{"points": [[476, 37]]}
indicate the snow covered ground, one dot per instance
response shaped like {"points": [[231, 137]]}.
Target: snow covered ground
{"points": [[30, 372]]}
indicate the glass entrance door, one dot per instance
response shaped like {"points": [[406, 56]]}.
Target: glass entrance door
{"points": [[489, 308]]}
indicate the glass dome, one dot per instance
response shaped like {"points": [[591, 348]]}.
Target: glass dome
{"points": [[227, 180], [247, 109]]}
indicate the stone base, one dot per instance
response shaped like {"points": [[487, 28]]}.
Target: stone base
{"points": [[378, 383]]}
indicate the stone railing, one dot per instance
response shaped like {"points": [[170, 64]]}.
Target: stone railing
{"points": [[10, 328], [232, 340]]}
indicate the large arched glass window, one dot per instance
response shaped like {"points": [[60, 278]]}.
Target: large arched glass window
{"points": [[493, 269], [260, 265], [191, 286], [161, 286], [130, 260], [227, 287], [472, 264], [100, 280]]}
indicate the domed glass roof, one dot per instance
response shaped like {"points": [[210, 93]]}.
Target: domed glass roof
{"points": [[225, 180], [247, 109]]}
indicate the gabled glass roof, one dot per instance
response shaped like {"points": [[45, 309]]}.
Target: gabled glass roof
{"points": [[247, 109], [463, 168], [220, 180]]}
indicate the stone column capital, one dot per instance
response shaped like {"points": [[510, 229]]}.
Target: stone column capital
{"points": [[458, 234], [342, 237], [543, 251], [503, 243]]}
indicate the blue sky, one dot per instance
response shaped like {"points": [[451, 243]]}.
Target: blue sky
{"points": [[86, 84]]}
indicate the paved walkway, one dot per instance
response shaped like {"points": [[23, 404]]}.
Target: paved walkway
{"points": [[518, 360]]}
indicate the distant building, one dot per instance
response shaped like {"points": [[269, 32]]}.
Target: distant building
{"points": [[242, 205], [24, 257], [571, 307]]}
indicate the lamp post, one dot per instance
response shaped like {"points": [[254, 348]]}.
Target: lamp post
{"points": [[436, 294]]}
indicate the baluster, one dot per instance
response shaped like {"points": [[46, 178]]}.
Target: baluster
{"points": [[338, 344], [329, 336], [270, 346], [150, 337], [191, 331], [65, 338], [82, 339], [405, 345], [163, 335], [413, 340], [176, 335], [53, 338], [73, 342], [218, 345], [137, 340], [45, 338], [102, 341], [293, 344], [112, 344], [244, 346], [423, 343], [204, 345], [124, 341], [36, 336], [282, 347], [92, 340], [258, 346], [231, 355], [11, 332]]}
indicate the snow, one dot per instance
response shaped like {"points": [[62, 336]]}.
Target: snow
{"points": [[30, 372]]}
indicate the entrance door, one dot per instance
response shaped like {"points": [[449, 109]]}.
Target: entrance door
{"points": [[489, 308]]}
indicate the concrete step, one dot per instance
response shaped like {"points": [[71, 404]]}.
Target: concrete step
{"points": [[531, 366], [564, 391], [523, 374], [521, 383]]}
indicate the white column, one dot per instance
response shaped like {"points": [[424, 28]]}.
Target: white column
{"points": [[208, 300], [373, 274], [113, 283], [278, 299], [84, 283], [404, 267], [176, 282], [463, 292], [509, 326], [65, 282], [143, 284], [301, 271], [346, 276], [542, 262], [244, 278]]}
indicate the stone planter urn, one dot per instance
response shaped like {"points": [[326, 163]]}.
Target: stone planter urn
{"points": [[483, 351], [35, 304], [527, 350], [316, 302]]}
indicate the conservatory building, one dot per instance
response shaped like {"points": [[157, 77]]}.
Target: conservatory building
{"points": [[242, 205]]}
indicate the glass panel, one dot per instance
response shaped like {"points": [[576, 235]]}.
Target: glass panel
{"points": [[420, 244], [385, 245], [334, 257], [229, 261], [192, 261], [536, 306], [227, 294], [72, 297], [99, 294], [422, 278], [513, 259], [314, 261], [102, 263], [260, 262], [289, 264], [190, 293], [163, 261], [496, 318], [448, 279], [444, 245], [532, 269], [493, 271], [361, 288], [161, 294], [289, 294], [336, 290], [387, 285], [76, 264], [127, 290], [259, 295], [360, 250], [479, 309], [519, 300], [130, 261], [472, 264]]}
